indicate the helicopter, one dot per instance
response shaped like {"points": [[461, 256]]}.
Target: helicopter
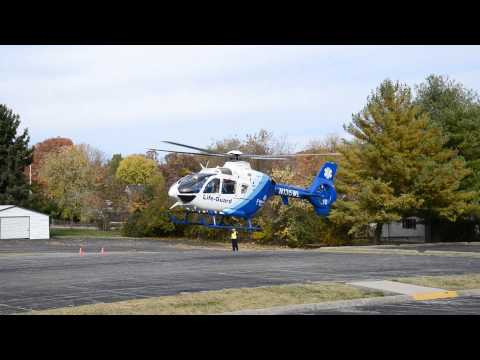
{"points": [[236, 191]]}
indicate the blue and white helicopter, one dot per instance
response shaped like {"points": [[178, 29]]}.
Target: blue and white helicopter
{"points": [[236, 191]]}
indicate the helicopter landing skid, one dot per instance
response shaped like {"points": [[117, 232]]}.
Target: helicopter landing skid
{"points": [[214, 224]]}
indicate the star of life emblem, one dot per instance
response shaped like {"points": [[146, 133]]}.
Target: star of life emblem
{"points": [[327, 173]]}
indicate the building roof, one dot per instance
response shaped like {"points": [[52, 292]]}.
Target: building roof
{"points": [[5, 207]]}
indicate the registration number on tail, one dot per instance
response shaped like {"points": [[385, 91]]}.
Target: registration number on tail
{"points": [[288, 192]]}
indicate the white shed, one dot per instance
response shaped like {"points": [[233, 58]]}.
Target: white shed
{"points": [[20, 223]]}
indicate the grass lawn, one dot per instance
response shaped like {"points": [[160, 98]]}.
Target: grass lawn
{"points": [[55, 232], [214, 302], [448, 282]]}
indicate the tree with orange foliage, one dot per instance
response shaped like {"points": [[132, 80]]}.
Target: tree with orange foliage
{"points": [[306, 167], [44, 148]]}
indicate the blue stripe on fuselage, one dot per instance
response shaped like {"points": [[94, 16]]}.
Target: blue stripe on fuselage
{"points": [[248, 207]]}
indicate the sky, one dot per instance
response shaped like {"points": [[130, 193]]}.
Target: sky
{"points": [[126, 99]]}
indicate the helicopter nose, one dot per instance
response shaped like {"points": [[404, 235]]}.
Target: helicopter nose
{"points": [[172, 192]]}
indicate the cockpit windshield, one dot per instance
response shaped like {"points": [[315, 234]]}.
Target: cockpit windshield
{"points": [[192, 184]]}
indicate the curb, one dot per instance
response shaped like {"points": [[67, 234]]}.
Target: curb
{"points": [[444, 294], [330, 305], [286, 310], [420, 293]]}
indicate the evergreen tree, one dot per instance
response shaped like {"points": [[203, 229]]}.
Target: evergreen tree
{"points": [[15, 156], [396, 165], [114, 163], [456, 110]]}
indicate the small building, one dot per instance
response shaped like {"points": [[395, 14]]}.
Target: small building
{"points": [[415, 230], [20, 223], [411, 229]]}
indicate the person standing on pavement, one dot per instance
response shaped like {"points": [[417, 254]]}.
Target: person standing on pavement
{"points": [[234, 240]]}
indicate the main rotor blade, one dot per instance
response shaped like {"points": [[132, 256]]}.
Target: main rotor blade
{"points": [[188, 153], [321, 154], [259, 157], [283, 156], [190, 147]]}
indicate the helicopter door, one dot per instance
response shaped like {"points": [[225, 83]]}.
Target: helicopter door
{"points": [[212, 187]]}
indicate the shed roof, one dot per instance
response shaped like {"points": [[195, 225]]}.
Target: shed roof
{"points": [[6, 207]]}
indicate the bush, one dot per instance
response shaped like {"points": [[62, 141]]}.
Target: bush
{"points": [[152, 221], [297, 225]]}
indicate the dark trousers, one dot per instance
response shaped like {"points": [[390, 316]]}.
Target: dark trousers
{"points": [[234, 244]]}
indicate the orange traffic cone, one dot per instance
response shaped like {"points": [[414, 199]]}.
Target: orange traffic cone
{"points": [[102, 252], [80, 252]]}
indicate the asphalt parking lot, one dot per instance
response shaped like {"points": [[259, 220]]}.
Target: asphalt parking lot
{"points": [[42, 275]]}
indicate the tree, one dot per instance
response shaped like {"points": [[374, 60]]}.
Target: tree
{"points": [[15, 156], [74, 178], [307, 167], [39, 199], [176, 166], [113, 194], [296, 224], [456, 110], [151, 219], [141, 175], [114, 163], [397, 166], [136, 170], [42, 149], [261, 143]]}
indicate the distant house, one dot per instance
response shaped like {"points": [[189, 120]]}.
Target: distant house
{"points": [[415, 229], [411, 229], [134, 189]]}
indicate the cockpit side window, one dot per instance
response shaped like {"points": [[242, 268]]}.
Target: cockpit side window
{"points": [[228, 186], [212, 187], [183, 179]]}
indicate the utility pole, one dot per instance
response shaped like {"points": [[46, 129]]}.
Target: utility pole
{"points": [[30, 177]]}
